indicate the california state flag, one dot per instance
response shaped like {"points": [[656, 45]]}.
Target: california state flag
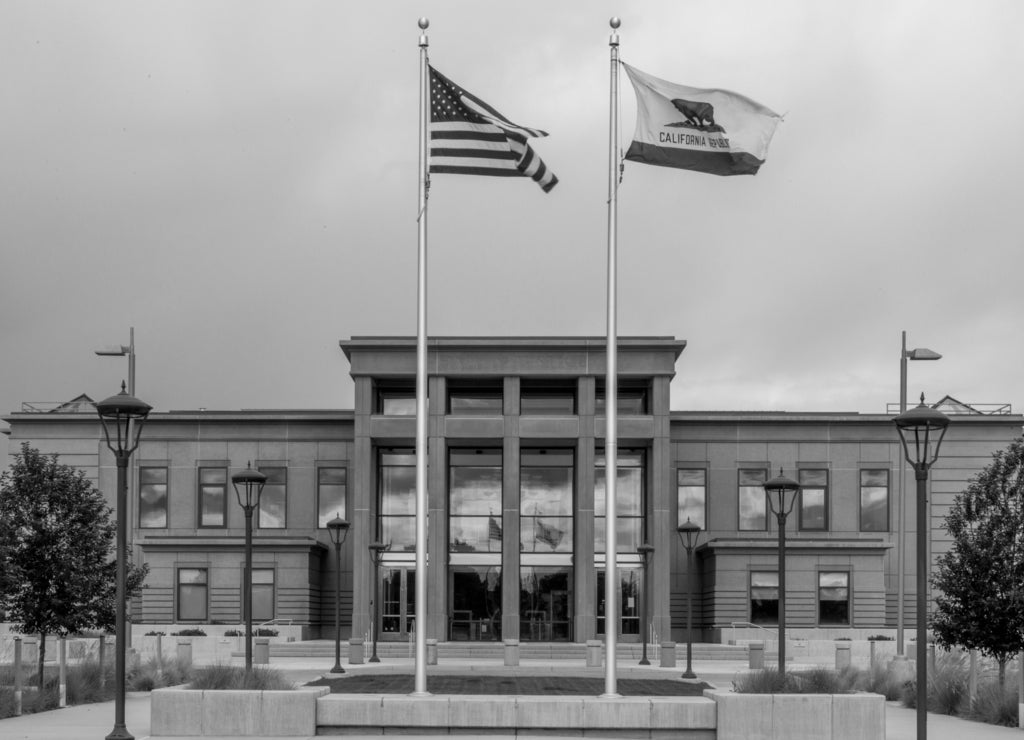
{"points": [[712, 130]]}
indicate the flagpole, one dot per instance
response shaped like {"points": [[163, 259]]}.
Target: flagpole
{"points": [[611, 452], [421, 378]]}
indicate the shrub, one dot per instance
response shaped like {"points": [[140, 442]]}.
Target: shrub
{"points": [[880, 638], [190, 632], [882, 680], [947, 683], [155, 633], [995, 705], [221, 677], [260, 632], [155, 675], [764, 681]]}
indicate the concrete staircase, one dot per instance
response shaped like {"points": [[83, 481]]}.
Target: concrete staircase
{"points": [[568, 651]]}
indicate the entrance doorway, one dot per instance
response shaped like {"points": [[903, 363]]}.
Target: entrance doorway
{"points": [[398, 603], [475, 598], [630, 593], [545, 604]]}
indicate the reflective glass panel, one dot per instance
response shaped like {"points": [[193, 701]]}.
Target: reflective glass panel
{"points": [[691, 493], [213, 487], [874, 501], [546, 501], [545, 604], [834, 598], [272, 510], [331, 487], [476, 603], [764, 597], [753, 504], [152, 497]]}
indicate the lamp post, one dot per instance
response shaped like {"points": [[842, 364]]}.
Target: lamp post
{"points": [[126, 413], [919, 353], [248, 486], [781, 504], [645, 551], [921, 431], [338, 528], [377, 550], [689, 533]]}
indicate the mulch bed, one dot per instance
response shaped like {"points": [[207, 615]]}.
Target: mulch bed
{"points": [[508, 685]]}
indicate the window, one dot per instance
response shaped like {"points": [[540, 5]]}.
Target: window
{"points": [[330, 494], [545, 501], [547, 398], [213, 490], [152, 497], [833, 598], [753, 502], [629, 502], [874, 501], [395, 398], [397, 485], [764, 597], [262, 594], [272, 513], [475, 399], [545, 604], [192, 594], [474, 490], [631, 399], [813, 499], [692, 496]]}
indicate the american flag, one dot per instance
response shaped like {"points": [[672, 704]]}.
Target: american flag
{"points": [[469, 137]]}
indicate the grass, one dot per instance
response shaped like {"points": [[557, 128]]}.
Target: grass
{"points": [[157, 675], [82, 687], [221, 677]]}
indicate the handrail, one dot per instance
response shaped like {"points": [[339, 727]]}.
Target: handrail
{"points": [[734, 625]]}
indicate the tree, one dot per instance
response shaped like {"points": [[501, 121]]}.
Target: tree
{"points": [[981, 578], [58, 537]]}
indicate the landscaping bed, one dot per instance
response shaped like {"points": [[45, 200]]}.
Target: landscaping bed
{"points": [[391, 683]]}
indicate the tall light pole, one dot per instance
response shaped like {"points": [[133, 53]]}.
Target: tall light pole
{"points": [[919, 353], [338, 528], [377, 550], [780, 501], [123, 350], [248, 486], [645, 551], [126, 414], [689, 533], [921, 431]]}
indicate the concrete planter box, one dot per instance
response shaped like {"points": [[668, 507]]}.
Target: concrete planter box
{"points": [[799, 716], [187, 713]]}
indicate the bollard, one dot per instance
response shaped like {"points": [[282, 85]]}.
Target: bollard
{"points": [[756, 652], [185, 650], [972, 677], [511, 652], [356, 650], [842, 655], [1020, 689], [431, 651], [871, 647], [594, 653], [62, 684], [159, 651], [17, 676], [668, 654], [100, 650], [261, 651]]}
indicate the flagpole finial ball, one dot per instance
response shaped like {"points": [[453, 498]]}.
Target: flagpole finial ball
{"points": [[615, 22], [424, 23]]}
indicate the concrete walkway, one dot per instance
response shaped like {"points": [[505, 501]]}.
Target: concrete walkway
{"points": [[97, 720]]}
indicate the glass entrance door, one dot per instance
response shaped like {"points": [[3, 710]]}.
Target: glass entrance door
{"points": [[398, 603], [630, 593], [545, 604]]}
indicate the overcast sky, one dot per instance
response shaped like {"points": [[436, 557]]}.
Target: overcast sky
{"points": [[237, 180]]}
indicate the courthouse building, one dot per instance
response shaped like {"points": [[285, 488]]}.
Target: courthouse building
{"points": [[516, 500]]}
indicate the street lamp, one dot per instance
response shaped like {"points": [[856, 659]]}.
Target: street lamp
{"points": [[123, 350], [921, 431], [689, 533], [645, 551], [248, 486], [780, 502], [126, 413], [377, 550], [338, 528], [919, 353]]}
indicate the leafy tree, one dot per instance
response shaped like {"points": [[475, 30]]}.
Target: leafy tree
{"points": [[58, 540], [981, 578]]}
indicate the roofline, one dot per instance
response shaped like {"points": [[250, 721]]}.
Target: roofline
{"points": [[490, 343]]}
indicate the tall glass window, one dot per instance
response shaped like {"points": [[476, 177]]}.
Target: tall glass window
{"points": [[262, 594], [272, 513], [629, 502], [764, 597], [630, 400], [474, 506], [397, 398], [475, 398], [630, 593], [330, 494], [397, 482], [834, 598], [753, 504], [545, 604], [542, 398], [152, 497], [692, 496], [192, 594], [874, 501], [546, 500], [213, 491], [813, 500]]}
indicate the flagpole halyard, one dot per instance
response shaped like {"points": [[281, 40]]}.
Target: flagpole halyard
{"points": [[421, 375], [611, 453]]}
